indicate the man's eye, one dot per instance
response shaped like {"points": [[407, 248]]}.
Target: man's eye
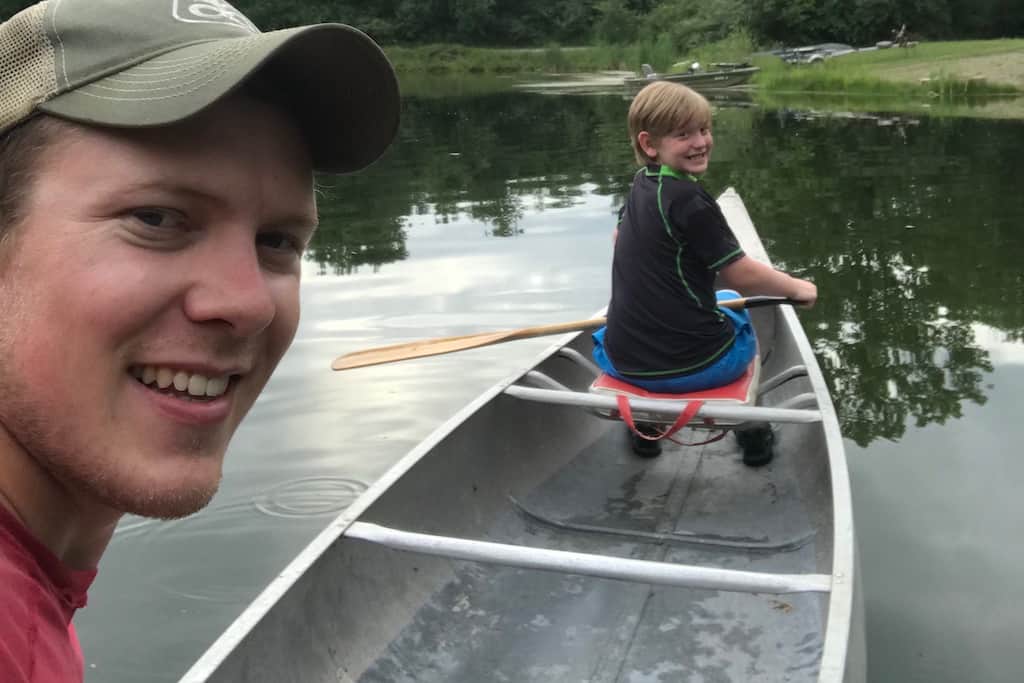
{"points": [[279, 241], [158, 218], [149, 217]]}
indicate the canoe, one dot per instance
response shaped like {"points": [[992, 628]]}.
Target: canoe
{"points": [[523, 541], [701, 80]]}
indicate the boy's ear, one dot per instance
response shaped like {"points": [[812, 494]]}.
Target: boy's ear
{"points": [[647, 142]]}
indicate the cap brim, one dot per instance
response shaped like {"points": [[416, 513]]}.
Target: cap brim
{"points": [[333, 79]]}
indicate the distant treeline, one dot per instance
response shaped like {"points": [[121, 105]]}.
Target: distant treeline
{"points": [[685, 23]]}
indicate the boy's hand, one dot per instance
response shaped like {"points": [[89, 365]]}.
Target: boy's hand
{"points": [[806, 292]]}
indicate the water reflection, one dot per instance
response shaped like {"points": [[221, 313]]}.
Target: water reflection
{"points": [[493, 159], [881, 211], [495, 211]]}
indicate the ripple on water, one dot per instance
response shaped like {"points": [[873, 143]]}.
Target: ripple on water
{"points": [[242, 523], [309, 497]]}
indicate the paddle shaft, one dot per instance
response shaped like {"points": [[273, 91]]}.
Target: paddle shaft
{"points": [[438, 346]]}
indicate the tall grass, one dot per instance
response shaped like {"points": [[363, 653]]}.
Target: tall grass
{"points": [[459, 59], [735, 48], [658, 52]]}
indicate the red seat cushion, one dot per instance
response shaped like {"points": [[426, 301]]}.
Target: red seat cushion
{"points": [[739, 390]]}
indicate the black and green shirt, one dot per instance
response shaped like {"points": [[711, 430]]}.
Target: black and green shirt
{"points": [[673, 239]]}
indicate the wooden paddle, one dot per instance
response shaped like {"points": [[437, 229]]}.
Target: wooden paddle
{"points": [[438, 346]]}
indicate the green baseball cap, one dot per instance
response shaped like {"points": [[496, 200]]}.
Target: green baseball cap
{"points": [[144, 63]]}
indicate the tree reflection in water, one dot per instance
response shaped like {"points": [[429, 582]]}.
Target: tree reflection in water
{"points": [[909, 227]]}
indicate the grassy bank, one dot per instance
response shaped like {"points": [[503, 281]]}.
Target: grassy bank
{"points": [[930, 72], [456, 60], [944, 70]]}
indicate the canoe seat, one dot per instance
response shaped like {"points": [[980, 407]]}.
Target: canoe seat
{"points": [[742, 392]]}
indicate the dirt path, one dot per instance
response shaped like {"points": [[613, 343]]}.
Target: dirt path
{"points": [[1006, 68]]}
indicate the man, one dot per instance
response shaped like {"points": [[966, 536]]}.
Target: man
{"points": [[156, 194]]}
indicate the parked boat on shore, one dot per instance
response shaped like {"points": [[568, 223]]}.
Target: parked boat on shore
{"points": [[523, 541], [720, 76]]}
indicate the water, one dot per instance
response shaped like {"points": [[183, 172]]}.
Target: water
{"points": [[495, 211]]}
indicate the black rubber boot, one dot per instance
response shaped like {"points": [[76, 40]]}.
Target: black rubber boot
{"points": [[757, 444], [644, 447]]}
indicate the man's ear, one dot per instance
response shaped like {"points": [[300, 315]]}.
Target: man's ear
{"points": [[647, 142]]}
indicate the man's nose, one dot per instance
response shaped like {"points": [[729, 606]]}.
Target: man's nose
{"points": [[230, 285]]}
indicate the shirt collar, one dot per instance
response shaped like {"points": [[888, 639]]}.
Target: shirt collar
{"points": [[663, 170]]}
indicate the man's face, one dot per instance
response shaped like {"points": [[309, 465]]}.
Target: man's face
{"points": [[148, 257]]}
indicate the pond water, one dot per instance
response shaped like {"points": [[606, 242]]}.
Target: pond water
{"points": [[495, 211]]}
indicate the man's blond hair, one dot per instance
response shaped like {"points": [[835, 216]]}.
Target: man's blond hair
{"points": [[662, 108]]}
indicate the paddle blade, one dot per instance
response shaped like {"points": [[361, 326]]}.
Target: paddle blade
{"points": [[416, 349], [436, 347]]}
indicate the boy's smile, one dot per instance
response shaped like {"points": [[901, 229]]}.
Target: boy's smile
{"points": [[687, 149]]}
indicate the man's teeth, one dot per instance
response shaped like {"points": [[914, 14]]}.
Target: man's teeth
{"points": [[192, 383]]}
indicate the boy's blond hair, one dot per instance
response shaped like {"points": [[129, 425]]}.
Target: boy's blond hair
{"points": [[662, 108]]}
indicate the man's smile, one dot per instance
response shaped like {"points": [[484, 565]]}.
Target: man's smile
{"points": [[192, 385]]}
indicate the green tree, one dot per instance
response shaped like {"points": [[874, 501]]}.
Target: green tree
{"points": [[616, 24]]}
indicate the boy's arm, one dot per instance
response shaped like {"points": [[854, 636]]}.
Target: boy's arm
{"points": [[615, 233], [750, 277]]}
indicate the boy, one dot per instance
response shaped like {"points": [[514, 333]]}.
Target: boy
{"points": [[665, 332], [156, 195]]}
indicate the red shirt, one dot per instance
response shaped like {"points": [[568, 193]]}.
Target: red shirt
{"points": [[38, 596]]}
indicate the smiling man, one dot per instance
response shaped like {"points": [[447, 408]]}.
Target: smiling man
{"points": [[156, 195]]}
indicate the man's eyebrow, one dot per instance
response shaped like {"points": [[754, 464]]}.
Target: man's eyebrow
{"points": [[172, 186], [307, 224], [310, 220]]}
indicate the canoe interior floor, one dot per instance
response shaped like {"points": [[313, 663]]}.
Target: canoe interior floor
{"points": [[492, 623]]}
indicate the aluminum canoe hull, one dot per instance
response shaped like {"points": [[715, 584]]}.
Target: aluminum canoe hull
{"points": [[561, 480]]}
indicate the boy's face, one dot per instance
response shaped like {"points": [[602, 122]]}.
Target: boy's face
{"points": [[150, 256], [687, 149]]}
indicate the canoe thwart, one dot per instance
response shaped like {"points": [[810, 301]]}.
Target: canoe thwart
{"points": [[601, 566], [736, 413]]}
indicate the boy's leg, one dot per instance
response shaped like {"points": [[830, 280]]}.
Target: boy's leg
{"points": [[757, 444], [645, 448], [757, 441], [641, 446]]}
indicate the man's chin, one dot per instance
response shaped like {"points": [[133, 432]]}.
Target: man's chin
{"points": [[174, 507], [162, 504]]}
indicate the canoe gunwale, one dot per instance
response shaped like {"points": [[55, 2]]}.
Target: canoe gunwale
{"points": [[843, 657]]}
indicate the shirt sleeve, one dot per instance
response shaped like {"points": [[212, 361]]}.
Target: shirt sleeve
{"points": [[705, 232]]}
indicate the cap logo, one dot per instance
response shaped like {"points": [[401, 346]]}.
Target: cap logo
{"points": [[211, 12]]}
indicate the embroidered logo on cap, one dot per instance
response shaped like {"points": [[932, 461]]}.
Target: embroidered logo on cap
{"points": [[211, 12]]}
